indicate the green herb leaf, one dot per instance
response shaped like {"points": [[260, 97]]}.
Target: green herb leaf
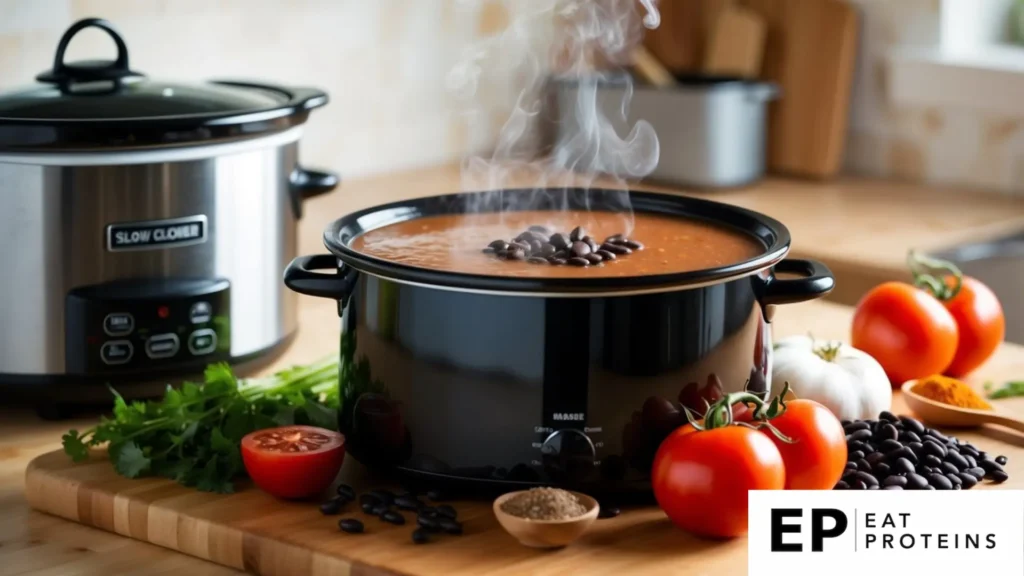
{"points": [[322, 416], [129, 460], [74, 446]]}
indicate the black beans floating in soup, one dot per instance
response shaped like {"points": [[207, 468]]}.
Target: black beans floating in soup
{"points": [[454, 242]]}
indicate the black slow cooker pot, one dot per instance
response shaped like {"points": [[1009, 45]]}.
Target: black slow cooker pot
{"points": [[501, 382]]}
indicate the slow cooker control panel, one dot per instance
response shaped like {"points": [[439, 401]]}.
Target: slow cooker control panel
{"points": [[133, 325]]}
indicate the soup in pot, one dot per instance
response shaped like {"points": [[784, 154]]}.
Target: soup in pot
{"points": [[573, 243]]}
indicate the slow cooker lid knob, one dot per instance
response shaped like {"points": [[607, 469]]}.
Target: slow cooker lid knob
{"points": [[568, 454], [65, 75]]}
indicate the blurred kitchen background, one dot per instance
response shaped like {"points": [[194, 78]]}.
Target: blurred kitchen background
{"points": [[927, 92]]}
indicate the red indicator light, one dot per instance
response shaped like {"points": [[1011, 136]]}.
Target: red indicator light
{"points": [[163, 312]]}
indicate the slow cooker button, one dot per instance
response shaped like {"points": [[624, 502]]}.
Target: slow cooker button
{"points": [[568, 454], [116, 352], [118, 324], [200, 313], [202, 342], [162, 346]]}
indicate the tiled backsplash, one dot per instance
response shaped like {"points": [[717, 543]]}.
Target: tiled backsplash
{"points": [[383, 62], [957, 146]]}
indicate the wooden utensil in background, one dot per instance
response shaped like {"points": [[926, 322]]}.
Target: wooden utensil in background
{"points": [[736, 44], [810, 53], [648, 68]]}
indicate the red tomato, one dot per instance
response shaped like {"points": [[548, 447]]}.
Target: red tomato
{"points": [[701, 479], [906, 329], [816, 457], [980, 322], [293, 461]]}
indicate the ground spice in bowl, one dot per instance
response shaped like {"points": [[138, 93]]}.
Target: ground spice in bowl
{"points": [[950, 391], [544, 504]]}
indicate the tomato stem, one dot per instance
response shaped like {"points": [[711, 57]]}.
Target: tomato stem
{"points": [[931, 273], [719, 414]]}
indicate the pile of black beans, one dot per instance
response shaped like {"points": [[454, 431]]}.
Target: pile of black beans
{"points": [[539, 245], [901, 453], [387, 505]]}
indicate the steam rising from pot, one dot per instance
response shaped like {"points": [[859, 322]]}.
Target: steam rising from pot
{"points": [[551, 44]]}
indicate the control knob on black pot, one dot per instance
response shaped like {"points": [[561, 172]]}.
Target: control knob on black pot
{"points": [[568, 454]]}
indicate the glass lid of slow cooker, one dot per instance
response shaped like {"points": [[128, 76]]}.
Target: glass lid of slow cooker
{"points": [[107, 104]]}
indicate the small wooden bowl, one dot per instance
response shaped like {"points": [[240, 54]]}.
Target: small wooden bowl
{"points": [[546, 533]]}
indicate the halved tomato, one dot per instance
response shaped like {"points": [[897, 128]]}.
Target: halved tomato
{"points": [[293, 461]]}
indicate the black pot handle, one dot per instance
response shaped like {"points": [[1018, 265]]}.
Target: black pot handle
{"points": [[300, 277], [64, 75], [304, 184], [817, 281]]}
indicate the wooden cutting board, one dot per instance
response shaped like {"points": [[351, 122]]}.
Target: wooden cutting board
{"points": [[257, 533], [810, 52]]}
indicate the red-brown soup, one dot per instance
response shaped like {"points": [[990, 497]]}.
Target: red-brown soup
{"points": [[454, 243]]}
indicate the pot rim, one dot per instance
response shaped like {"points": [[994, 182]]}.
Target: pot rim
{"points": [[771, 233]]}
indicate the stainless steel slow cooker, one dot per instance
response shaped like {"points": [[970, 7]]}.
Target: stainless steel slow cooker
{"points": [[144, 224]]}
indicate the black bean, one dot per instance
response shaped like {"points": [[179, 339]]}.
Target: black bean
{"points": [[346, 491], [940, 482], [558, 261], [575, 261], [909, 437], [560, 241], [904, 452], [539, 229], [590, 242], [936, 449], [887, 416], [967, 480], [633, 245], [381, 509], [594, 258], [616, 249], [580, 249], [889, 445], [420, 536], [903, 466], [916, 481], [895, 481], [893, 488], [874, 487], [547, 250], [978, 472], [855, 455], [850, 467], [950, 468], [971, 462], [859, 435], [536, 260], [450, 526], [957, 460], [428, 523], [498, 245], [936, 434], [889, 432], [912, 425], [608, 512], [863, 465], [522, 245], [999, 476], [855, 426], [857, 446], [393, 517], [615, 238], [333, 506], [869, 448], [605, 254], [446, 511], [516, 254], [858, 485], [407, 503], [350, 525], [874, 457], [990, 466], [535, 246], [954, 479], [369, 498], [881, 470], [866, 478], [931, 460], [370, 507], [968, 450], [577, 234], [916, 447], [1001, 460]]}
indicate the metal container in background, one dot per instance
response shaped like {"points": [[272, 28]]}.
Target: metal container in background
{"points": [[711, 130]]}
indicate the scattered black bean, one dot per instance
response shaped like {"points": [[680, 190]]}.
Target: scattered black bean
{"points": [[420, 536], [594, 258], [905, 453], [370, 508], [407, 503], [931, 460], [516, 254], [577, 234], [966, 480], [858, 485], [867, 478], [605, 254], [863, 465], [990, 466], [902, 466], [350, 525], [616, 249], [450, 526], [841, 485], [855, 455], [1001, 460], [334, 505], [971, 462], [889, 445], [859, 435], [346, 491], [954, 479], [940, 482], [855, 426], [888, 432], [539, 229], [856, 446], [950, 468], [912, 425], [580, 249], [907, 437], [978, 472], [957, 460], [590, 242], [893, 488], [881, 470], [608, 512], [887, 416], [615, 239], [428, 523], [633, 245], [560, 241], [547, 250], [537, 260], [916, 481], [393, 517], [936, 449], [558, 261], [999, 476], [578, 261]]}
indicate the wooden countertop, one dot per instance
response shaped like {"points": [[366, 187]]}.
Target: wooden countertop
{"points": [[862, 229]]}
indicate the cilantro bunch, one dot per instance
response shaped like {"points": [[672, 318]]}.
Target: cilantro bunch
{"points": [[193, 434]]}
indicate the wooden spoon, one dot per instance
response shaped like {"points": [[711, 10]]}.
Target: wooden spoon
{"points": [[939, 414]]}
